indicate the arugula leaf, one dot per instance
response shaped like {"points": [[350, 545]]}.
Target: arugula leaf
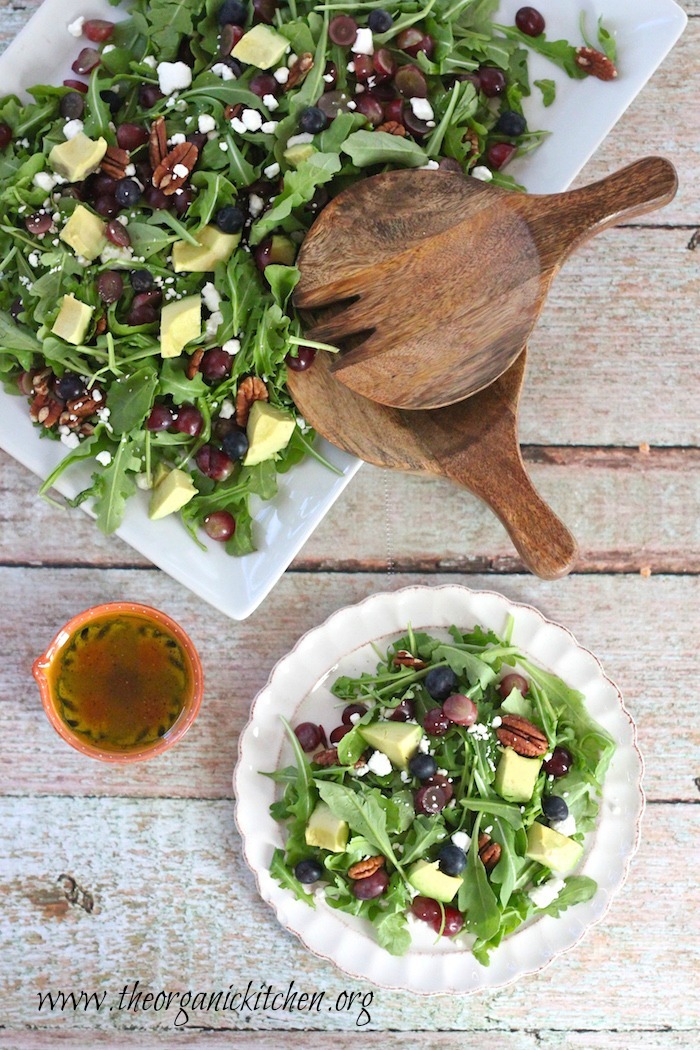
{"points": [[560, 52], [424, 833], [366, 817], [476, 897], [548, 89], [392, 933], [509, 812], [306, 791], [117, 484], [463, 662], [366, 148], [280, 871], [577, 890], [174, 383], [299, 187], [131, 399]]}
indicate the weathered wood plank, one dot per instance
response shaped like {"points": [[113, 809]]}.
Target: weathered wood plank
{"points": [[643, 630], [654, 524], [656, 1039], [200, 925]]}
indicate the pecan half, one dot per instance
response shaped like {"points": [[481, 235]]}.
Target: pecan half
{"points": [[115, 162], [522, 736], [364, 868], [157, 142], [595, 63], [45, 410], [41, 380], [300, 70], [175, 168], [251, 389], [392, 127], [405, 659], [194, 362], [329, 757], [489, 851]]}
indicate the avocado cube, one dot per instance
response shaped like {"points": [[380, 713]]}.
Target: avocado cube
{"points": [[261, 46], [76, 158], [214, 247], [551, 848], [84, 233], [326, 830], [516, 776], [73, 320], [180, 322], [269, 430], [397, 740], [298, 153], [173, 492], [431, 882]]}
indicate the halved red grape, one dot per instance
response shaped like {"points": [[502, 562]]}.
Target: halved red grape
{"points": [[409, 40], [131, 136], [499, 153], [107, 207], [353, 709], [214, 463], [513, 681], [308, 735], [110, 286], [330, 76], [305, 357], [189, 420], [403, 711], [454, 921], [332, 103], [384, 62], [371, 108], [373, 886], [216, 365], [460, 709], [87, 60], [264, 84], [411, 83], [38, 223], [559, 764], [77, 85], [394, 110], [98, 30], [342, 30], [441, 781], [430, 799], [436, 721], [529, 21], [264, 11], [338, 733], [364, 68], [492, 81], [162, 417], [428, 911], [117, 234]]}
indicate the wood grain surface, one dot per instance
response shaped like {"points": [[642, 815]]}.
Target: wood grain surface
{"points": [[108, 876]]}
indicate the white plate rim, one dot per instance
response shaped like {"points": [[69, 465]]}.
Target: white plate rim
{"points": [[319, 637]]}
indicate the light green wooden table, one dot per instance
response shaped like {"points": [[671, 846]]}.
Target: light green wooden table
{"points": [[111, 876]]}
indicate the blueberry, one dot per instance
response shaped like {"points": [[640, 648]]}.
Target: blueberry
{"points": [[511, 123], [229, 219], [422, 766], [441, 682], [72, 105], [308, 871], [380, 21], [233, 12], [112, 99], [69, 386], [554, 808], [235, 444], [451, 859], [127, 192], [141, 280], [312, 120]]}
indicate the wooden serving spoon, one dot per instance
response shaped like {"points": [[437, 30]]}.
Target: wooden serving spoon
{"points": [[474, 443], [441, 278]]}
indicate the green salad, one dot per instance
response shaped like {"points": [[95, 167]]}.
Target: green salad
{"points": [[152, 205], [455, 792]]}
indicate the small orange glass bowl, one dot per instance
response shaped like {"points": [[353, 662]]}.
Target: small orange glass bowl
{"points": [[46, 666]]}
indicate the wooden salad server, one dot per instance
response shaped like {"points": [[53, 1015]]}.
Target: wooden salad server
{"points": [[474, 444], [439, 279]]}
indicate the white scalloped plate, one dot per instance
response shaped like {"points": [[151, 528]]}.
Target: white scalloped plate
{"points": [[298, 689], [582, 116]]}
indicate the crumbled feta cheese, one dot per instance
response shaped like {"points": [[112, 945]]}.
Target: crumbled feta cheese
{"points": [[461, 839], [130, 170], [33, 259], [227, 409], [269, 127], [364, 45], [281, 75], [329, 78], [432, 165], [104, 457], [564, 827], [238, 125], [380, 764], [482, 173], [359, 88], [219, 69], [272, 170], [223, 146], [547, 757], [251, 119], [424, 745], [355, 718], [109, 47], [255, 205], [231, 346], [406, 778], [206, 123], [213, 322], [72, 128], [271, 102], [176, 139], [496, 722], [351, 105], [181, 171], [479, 731], [350, 67], [44, 181], [360, 771], [173, 76], [291, 58], [543, 895], [76, 28], [115, 253], [488, 830], [71, 440], [297, 140], [149, 60], [421, 108]]}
